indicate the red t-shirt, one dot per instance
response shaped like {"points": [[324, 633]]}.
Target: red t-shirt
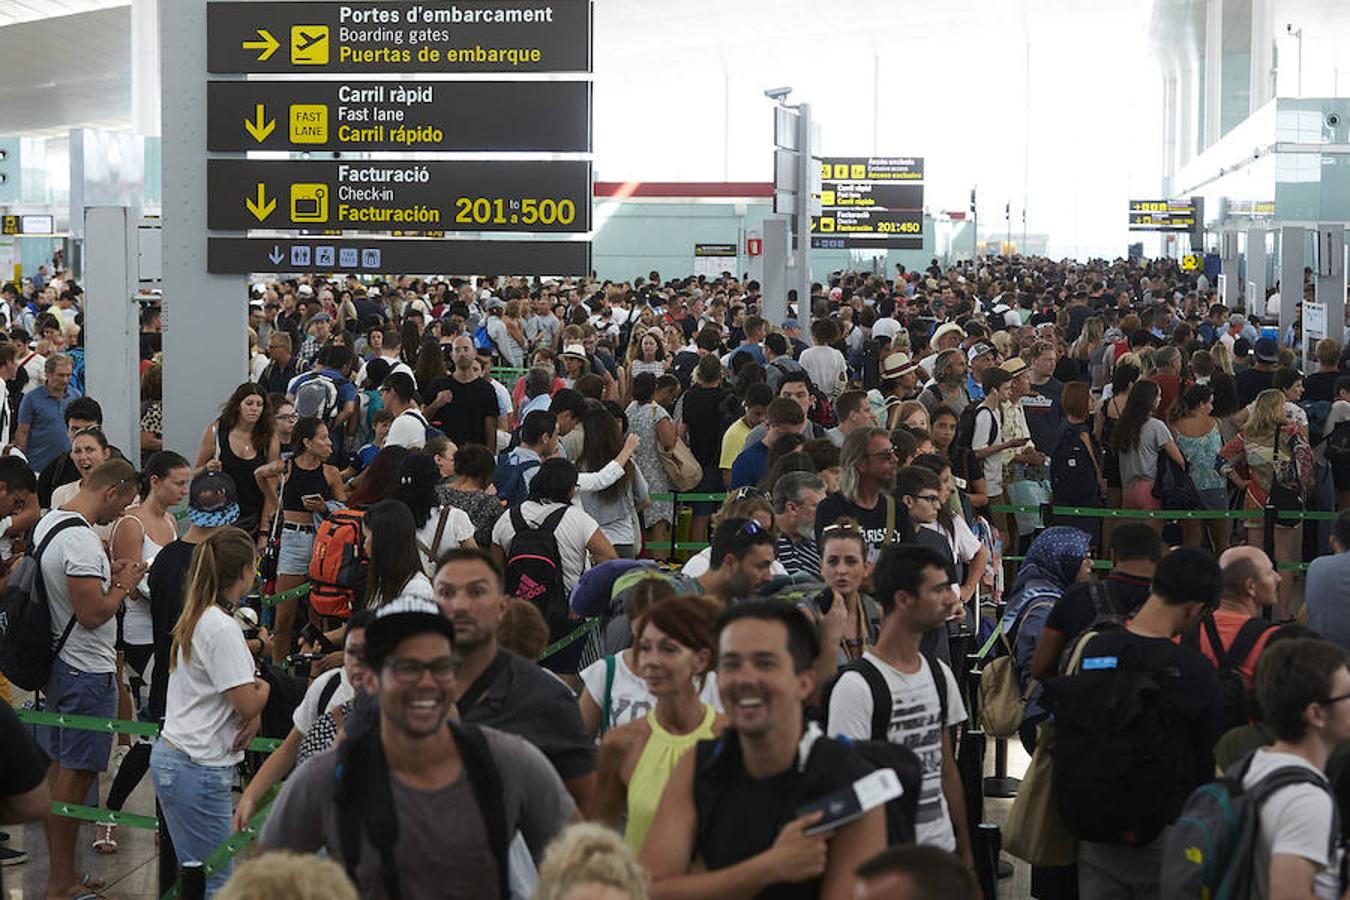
{"points": [[1228, 624]]}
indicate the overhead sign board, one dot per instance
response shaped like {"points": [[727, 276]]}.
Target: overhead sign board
{"points": [[378, 36], [28, 224], [463, 116], [1255, 209], [870, 168], [711, 260], [373, 256], [387, 195], [9, 224], [869, 203], [1163, 215]]}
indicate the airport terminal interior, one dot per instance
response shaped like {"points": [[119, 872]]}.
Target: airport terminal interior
{"points": [[621, 449]]}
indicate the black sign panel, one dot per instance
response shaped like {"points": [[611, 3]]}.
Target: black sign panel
{"points": [[715, 250], [1163, 215], [544, 116], [868, 222], [853, 242], [9, 224], [412, 257], [868, 195], [378, 36], [390, 195], [875, 168]]}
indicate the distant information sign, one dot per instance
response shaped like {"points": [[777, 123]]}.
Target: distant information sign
{"points": [[462, 116], [870, 203], [388, 195], [1163, 215], [478, 36]]}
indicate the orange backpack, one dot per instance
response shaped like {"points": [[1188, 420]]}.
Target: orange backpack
{"points": [[337, 565]]}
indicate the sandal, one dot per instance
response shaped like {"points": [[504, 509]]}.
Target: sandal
{"points": [[105, 842], [90, 883]]}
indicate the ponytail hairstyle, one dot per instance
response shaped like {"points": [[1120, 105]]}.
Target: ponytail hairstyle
{"points": [[216, 563], [159, 465]]}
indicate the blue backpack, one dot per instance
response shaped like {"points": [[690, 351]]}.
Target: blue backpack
{"points": [[483, 341], [510, 477]]}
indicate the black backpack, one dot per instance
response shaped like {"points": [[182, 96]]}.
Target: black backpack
{"points": [[965, 464], [1073, 472], [534, 569], [871, 364], [1337, 449], [1115, 763], [879, 751], [364, 799], [1234, 697], [26, 649]]}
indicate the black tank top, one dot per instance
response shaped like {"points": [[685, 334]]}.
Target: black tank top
{"points": [[301, 482], [245, 485]]}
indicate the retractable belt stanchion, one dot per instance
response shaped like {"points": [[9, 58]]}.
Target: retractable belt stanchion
{"points": [[194, 881], [168, 857]]}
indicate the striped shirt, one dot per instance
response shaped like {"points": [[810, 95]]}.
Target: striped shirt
{"points": [[801, 558]]}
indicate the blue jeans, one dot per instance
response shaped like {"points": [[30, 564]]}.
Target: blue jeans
{"points": [[195, 801]]}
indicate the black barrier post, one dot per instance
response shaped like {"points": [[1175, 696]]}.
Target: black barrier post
{"points": [[987, 844], [168, 858], [970, 765], [194, 881], [1270, 517], [1047, 512]]}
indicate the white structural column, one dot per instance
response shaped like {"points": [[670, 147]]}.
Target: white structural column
{"points": [[1213, 70], [1255, 288], [1262, 53], [145, 66], [205, 339], [1186, 84], [1169, 131]]}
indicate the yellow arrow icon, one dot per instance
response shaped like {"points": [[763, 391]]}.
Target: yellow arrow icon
{"points": [[257, 127], [262, 207], [268, 45]]}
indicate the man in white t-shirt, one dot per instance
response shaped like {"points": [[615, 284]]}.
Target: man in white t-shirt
{"points": [[84, 591], [826, 366], [1302, 686], [409, 428], [914, 590]]}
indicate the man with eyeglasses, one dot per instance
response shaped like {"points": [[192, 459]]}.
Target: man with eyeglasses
{"points": [[867, 467], [1125, 768], [1302, 686], [422, 805]]}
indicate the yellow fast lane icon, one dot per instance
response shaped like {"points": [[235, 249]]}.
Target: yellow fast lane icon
{"points": [[309, 45]]}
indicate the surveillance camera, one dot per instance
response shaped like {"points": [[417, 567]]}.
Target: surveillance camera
{"points": [[1333, 120], [778, 93]]}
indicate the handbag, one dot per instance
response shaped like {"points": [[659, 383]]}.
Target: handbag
{"points": [[1001, 697], [1172, 486], [1282, 475], [1035, 831], [681, 467], [267, 560]]}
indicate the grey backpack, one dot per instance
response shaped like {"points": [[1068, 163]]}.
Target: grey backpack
{"points": [[1211, 849]]}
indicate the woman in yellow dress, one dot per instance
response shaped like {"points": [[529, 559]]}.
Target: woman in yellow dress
{"points": [[675, 651]]}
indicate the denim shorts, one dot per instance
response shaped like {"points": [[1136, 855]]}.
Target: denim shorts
{"points": [[1213, 498], [74, 692], [293, 555]]}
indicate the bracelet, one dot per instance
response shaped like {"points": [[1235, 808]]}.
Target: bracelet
{"points": [[119, 587]]}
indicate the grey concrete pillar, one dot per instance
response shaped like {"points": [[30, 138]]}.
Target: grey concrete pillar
{"points": [[1256, 270], [1213, 70], [205, 317], [112, 324], [1291, 274], [777, 247]]}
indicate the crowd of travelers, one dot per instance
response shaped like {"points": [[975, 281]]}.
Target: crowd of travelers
{"points": [[436, 545]]}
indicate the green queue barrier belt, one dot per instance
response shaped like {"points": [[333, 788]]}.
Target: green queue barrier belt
{"points": [[569, 639], [294, 593], [219, 857]]}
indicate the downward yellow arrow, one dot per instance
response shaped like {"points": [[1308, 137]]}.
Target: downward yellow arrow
{"points": [[268, 45], [257, 127], [263, 207]]}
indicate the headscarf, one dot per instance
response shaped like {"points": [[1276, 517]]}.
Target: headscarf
{"points": [[1050, 566]]}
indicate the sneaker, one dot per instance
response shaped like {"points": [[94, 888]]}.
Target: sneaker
{"points": [[9, 857]]}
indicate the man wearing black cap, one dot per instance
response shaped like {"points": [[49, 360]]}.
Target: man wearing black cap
{"points": [[422, 805], [1261, 374]]}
